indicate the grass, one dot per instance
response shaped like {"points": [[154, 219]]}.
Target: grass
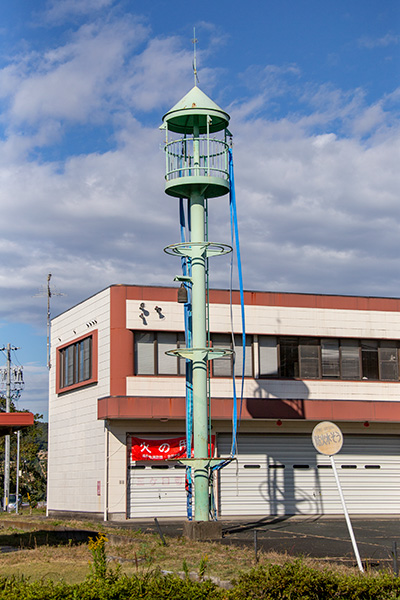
{"points": [[41, 555]]}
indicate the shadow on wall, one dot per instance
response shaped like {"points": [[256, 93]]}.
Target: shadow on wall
{"points": [[288, 481], [266, 405]]}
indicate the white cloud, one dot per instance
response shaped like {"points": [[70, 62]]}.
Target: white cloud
{"points": [[158, 75], [382, 42], [60, 10], [72, 81]]}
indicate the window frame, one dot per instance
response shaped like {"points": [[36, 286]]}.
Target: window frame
{"points": [[60, 389], [180, 362], [229, 358], [180, 342], [291, 350]]}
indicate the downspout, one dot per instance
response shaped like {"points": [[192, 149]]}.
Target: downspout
{"points": [[106, 469]]}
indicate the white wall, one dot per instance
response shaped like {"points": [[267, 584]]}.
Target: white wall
{"points": [[273, 320], [117, 469], [76, 437], [264, 388]]}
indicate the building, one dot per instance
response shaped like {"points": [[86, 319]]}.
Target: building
{"points": [[309, 358]]}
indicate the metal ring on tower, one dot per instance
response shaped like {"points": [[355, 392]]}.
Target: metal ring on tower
{"points": [[193, 353], [196, 249]]}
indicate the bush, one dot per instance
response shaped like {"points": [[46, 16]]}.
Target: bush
{"points": [[296, 581], [149, 587], [292, 581]]}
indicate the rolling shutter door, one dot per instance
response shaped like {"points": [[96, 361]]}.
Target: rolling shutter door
{"points": [[155, 488], [278, 474]]}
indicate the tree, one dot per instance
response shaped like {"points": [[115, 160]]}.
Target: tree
{"points": [[33, 459]]}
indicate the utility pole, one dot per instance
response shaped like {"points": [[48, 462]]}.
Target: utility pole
{"points": [[47, 291], [48, 320], [7, 438], [8, 349]]}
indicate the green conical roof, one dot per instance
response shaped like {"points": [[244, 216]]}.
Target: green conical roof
{"points": [[196, 105]]}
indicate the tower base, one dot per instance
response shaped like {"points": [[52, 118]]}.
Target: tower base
{"points": [[201, 531]]}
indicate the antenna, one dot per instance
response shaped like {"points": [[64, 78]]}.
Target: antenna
{"points": [[46, 291], [194, 40]]}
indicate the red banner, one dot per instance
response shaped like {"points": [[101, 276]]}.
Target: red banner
{"points": [[162, 449]]}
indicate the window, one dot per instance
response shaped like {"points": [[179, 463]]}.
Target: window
{"points": [[77, 363], [267, 346], [248, 366], [330, 358], [150, 349], [350, 359], [388, 361], [333, 358], [144, 353], [309, 358], [289, 357], [151, 346], [369, 358], [222, 367]]}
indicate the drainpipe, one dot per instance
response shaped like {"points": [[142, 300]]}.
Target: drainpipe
{"points": [[106, 468]]}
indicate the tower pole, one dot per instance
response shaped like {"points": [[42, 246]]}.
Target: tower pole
{"points": [[200, 417]]}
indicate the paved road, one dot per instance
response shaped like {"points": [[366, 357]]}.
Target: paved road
{"points": [[319, 537]]}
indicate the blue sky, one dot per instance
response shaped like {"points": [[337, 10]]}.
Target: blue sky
{"points": [[313, 92]]}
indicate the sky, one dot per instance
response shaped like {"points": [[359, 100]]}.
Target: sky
{"points": [[312, 89]]}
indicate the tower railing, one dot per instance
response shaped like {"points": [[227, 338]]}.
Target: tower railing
{"points": [[212, 161]]}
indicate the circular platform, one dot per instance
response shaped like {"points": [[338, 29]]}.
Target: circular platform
{"points": [[190, 353], [196, 249]]}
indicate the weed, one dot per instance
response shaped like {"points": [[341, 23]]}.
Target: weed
{"points": [[203, 566], [185, 568], [98, 550]]}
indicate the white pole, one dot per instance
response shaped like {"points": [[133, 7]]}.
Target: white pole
{"points": [[346, 514], [17, 485], [7, 437]]}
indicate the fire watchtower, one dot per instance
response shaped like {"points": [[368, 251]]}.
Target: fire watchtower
{"points": [[197, 168]]}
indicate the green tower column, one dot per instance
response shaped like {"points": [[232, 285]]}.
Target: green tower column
{"points": [[200, 417]]}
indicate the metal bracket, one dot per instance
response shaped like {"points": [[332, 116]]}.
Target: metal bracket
{"points": [[195, 354], [201, 463]]}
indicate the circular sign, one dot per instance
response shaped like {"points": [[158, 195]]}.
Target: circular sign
{"points": [[327, 438]]}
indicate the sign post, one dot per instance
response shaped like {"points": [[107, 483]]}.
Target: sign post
{"points": [[327, 439]]}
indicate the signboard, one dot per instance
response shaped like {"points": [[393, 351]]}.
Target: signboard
{"points": [[161, 449], [327, 438]]}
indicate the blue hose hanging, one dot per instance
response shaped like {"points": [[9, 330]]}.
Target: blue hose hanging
{"points": [[186, 271], [232, 203], [235, 244]]}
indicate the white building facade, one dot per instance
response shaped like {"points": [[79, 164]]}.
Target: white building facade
{"points": [[309, 358]]}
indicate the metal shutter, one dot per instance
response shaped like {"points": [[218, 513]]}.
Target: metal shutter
{"points": [[156, 488], [282, 474]]}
